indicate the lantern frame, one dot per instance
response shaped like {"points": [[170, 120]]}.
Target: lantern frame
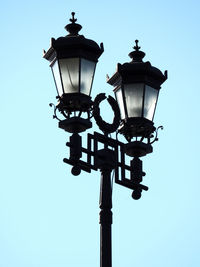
{"points": [[101, 151], [77, 47], [131, 74]]}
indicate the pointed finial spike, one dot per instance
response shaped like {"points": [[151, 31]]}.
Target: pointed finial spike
{"points": [[73, 20], [136, 47], [137, 55], [73, 28]]}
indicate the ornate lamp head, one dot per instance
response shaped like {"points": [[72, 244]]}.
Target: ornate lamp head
{"points": [[136, 86], [73, 61]]}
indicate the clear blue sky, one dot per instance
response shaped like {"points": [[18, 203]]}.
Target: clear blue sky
{"points": [[49, 218]]}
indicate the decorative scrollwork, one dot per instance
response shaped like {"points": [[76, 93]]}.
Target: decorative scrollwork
{"points": [[156, 135], [55, 111], [67, 114], [104, 126]]}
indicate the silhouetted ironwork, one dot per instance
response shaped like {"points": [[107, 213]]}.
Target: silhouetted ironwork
{"points": [[136, 84]]}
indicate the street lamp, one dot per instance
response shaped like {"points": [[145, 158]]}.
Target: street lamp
{"points": [[136, 86], [73, 62]]}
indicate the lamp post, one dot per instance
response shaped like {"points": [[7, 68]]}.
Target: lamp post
{"points": [[136, 86]]}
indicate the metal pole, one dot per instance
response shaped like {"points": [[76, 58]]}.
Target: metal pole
{"points": [[105, 204]]}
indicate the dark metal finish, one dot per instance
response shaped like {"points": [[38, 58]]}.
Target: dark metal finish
{"points": [[73, 102], [103, 152], [133, 74], [135, 127], [105, 127], [137, 71], [76, 48], [67, 106], [138, 149], [73, 28], [73, 45], [137, 55], [75, 125], [105, 217], [106, 161], [124, 174]]}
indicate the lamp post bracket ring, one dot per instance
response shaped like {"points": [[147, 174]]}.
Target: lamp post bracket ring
{"points": [[104, 126]]}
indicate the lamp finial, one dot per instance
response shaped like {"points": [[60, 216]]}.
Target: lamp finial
{"points": [[136, 55], [73, 20], [73, 28], [136, 47]]}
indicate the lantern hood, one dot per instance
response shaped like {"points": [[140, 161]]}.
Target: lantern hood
{"points": [[138, 71], [73, 45]]}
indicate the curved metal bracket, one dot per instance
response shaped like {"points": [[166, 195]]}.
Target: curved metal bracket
{"points": [[66, 114], [104, 126], [55, 111], [156, 135]]}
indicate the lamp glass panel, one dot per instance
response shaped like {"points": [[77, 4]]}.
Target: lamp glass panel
{"points": [[69, 68], [87, 75], [134, 99], [150, 100], [119, 98], [57, 78]]}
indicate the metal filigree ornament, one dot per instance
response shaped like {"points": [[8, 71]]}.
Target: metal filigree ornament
{"points": [[77, 114], [155, 135], [105, 127], [70, 112], [136, 85]]}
